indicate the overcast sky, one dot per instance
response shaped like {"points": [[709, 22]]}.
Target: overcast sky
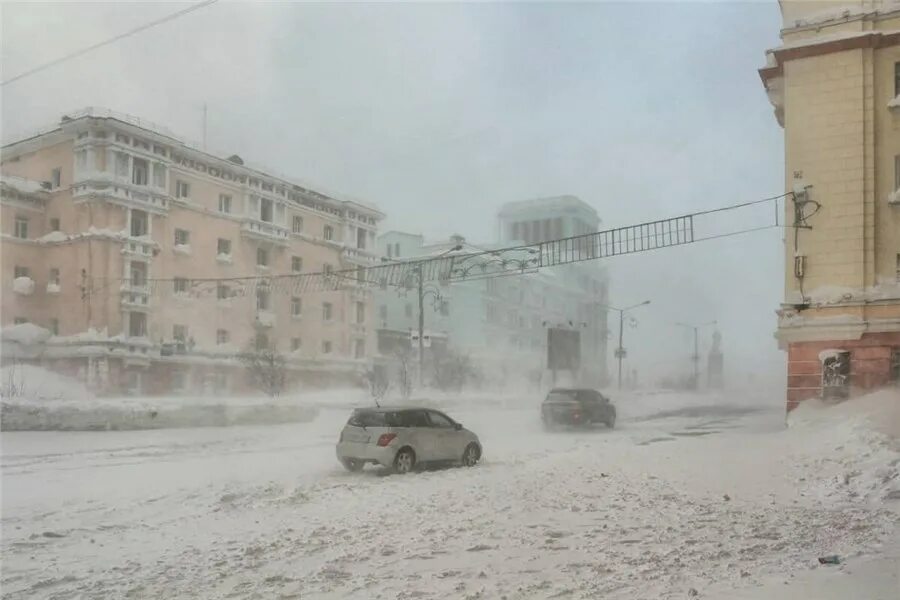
{"points": [[440, 113]]}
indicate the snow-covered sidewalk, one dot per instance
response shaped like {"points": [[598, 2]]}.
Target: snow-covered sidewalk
{"points": [[699, 494]]}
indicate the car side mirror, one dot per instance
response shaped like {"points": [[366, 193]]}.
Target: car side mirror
{"points": [[457, 426]]}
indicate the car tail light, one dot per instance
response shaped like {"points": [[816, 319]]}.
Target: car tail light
{"points": [[386, 438]]}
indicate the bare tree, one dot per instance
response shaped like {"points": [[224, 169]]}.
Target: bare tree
{"points": [[404, 372], [379, 383], [266, 368], [452, 370]]}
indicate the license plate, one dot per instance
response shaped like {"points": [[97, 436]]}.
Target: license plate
{"points": [[356, 436]]}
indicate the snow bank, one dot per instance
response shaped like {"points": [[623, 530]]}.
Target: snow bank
{"points": [[857, 444], [35, 399]]}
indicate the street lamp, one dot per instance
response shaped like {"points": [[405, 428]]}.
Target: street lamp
{"points": [[696, 356], [620, 351]]}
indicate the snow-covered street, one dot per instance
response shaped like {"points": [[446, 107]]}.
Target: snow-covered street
{"points": [[688, 496]]}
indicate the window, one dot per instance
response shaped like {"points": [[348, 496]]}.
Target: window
{"points": [[263, 298], [897, 79], [360, 312], [181, 285], [359, 349], [295, 344], [54, 326], [897, 172], [137, 324], [121, 164], [397, 249], [179, 333], [262, 257], [223, 246], [140, 171], [895, 366], [140, 223], [22, 228], [390, 250], [56, 174], [327, 268], [382, 312], [54, 276], [222, 336], [182, 237], [296, 306], [407, 310], [262, 342], [54, 224], [439, 420], [138, 273], [224, 203], [223, 292], [297, 226], [21, 272], [296, 264], [328, 232], [327, 311], [265, 210], [159, 175], [361, 238], [182, 189], [20, 321], [326, 347]]}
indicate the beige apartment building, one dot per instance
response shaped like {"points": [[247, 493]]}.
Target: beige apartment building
{"points": [[835, 87], [152, 263]]}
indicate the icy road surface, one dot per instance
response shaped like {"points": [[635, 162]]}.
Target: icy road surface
{"points": [[685, 495]]}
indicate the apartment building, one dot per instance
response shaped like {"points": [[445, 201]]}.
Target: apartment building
{"points": [[835, 87], [153, 263], [501, 323]]}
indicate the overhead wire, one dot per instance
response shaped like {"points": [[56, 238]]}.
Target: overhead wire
{"points": [[106, 42]]}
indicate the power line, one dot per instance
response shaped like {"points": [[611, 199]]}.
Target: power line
{"points": [[116, 38]]}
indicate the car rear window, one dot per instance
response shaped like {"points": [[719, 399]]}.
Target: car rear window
{"points": [[561, 397], [373, 418]]}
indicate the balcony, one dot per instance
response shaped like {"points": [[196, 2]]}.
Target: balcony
{"points": [[135, 297], [358, 256], [266, 232], [139, 249], [103, 185]]}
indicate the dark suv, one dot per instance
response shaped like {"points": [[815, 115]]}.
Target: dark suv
{"points": [[580, 407]]}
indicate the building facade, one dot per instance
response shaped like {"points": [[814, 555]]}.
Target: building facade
{"points": [[835, 87], [153, 263], [501, 323]]}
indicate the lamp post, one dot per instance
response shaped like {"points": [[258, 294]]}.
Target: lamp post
{"points": [[695, 357], [620, 350]]}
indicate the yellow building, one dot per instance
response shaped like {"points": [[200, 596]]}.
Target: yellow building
{"points": [[112, 228], [835, 86]]}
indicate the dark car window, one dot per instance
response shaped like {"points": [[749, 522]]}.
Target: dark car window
{"points": [[439, 420], [414, 418], [372, 418], [560, 397]]}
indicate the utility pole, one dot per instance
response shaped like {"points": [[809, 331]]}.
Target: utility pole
{"points": [[421, 326], [620, 351], [695, 357]]}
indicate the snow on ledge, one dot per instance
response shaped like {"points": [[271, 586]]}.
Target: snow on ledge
{"points": [[23, 286], [830, 353], [895, 102], [52, 288], [184, 249], [266, 318], [894, 197], [225, 259], [25, 333], [53, 237]]}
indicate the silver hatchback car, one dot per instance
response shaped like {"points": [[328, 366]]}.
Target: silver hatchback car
{"points": [[404, 438]]}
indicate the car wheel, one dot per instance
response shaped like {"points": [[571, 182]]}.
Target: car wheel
{"points": [[471, 455], [405, 461], [352, 465]]}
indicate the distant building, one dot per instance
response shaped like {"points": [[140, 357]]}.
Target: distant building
{"points": [[112, 224], [835, 87], [501, 323]]}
